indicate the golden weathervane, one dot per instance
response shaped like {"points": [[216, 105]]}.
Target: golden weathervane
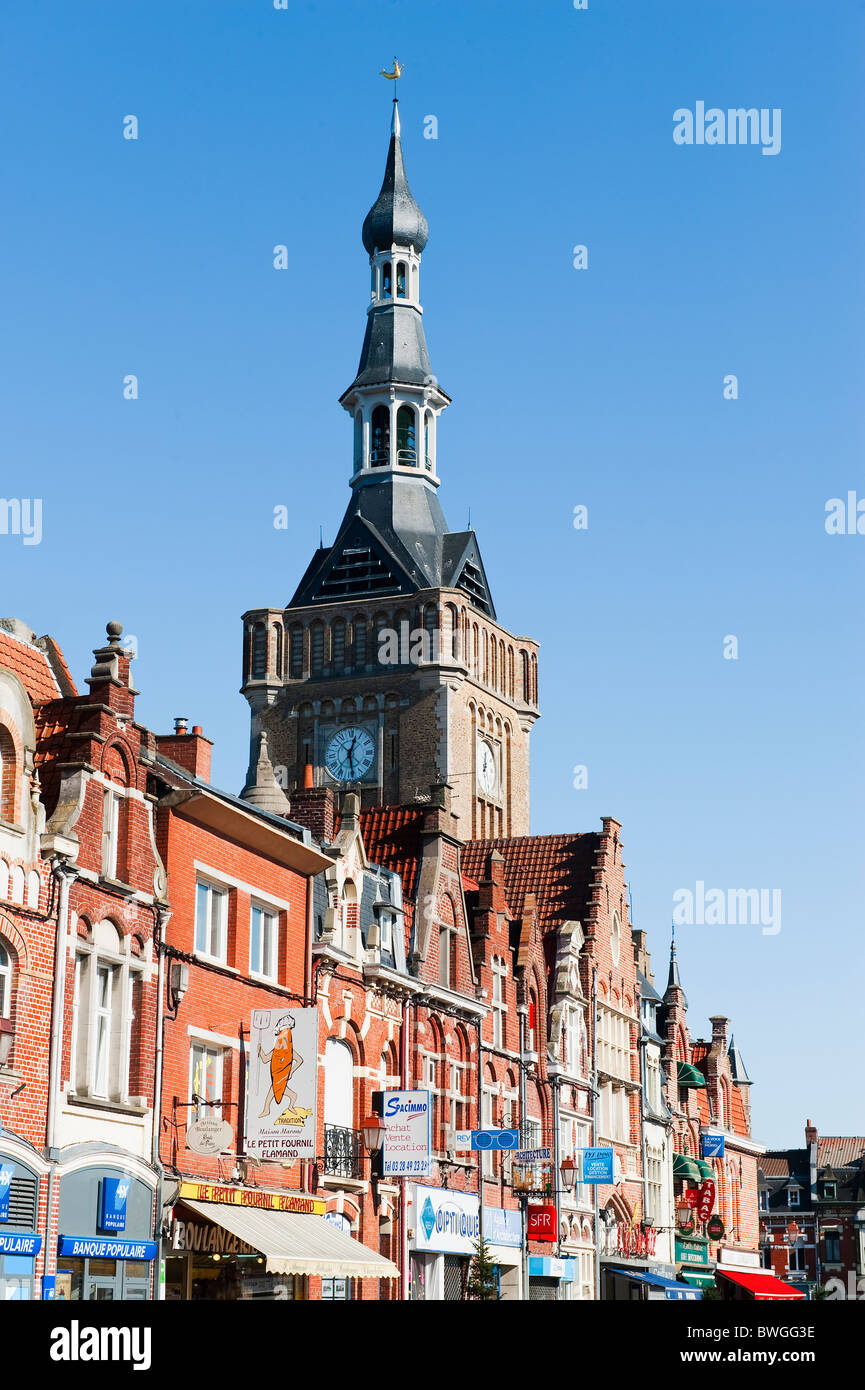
{"points": [[397, 71]]}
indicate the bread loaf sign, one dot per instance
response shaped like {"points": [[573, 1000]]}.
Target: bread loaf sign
{"points": [[706, 1200]]}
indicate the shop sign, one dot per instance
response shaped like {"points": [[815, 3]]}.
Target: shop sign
{"points": [[541, 1222], [112, 1205], [691, 1252], [712, 1146], [209, 1136], [283, 1072], [445, 1220], [692, 1196], [6, 1171], [20, 1245], [502, 1227], [188, 1236], [545, 1267], [597, 1165], [531, 1156], [407, 1143], [476, 1139], [706, 1199], [252, 1197], [715, 1228], [97, 1248]]}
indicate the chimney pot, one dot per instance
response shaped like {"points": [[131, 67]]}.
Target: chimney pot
{"points": [[180, 724]]}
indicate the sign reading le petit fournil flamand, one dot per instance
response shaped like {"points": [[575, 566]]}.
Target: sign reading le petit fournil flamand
{"points": [[252, 1197]]}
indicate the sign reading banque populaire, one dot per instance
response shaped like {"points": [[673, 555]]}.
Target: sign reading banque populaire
{"points": [[406, 1119], [283, 1067]]}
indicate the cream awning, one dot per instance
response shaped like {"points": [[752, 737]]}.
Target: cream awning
{"points": [[297, 1244]]}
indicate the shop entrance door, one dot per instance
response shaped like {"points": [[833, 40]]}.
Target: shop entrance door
{"points": [[102, 1290]]}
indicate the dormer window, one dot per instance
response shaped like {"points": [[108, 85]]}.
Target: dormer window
{"points": [[386, 280], [400, 279], [379, 455], [793, 1196]]}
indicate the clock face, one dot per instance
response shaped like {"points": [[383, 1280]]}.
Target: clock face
{"points": [[487, 777], [349, 754]]}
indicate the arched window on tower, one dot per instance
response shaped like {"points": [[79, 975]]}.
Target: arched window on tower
{"points": [[359, 631], [406, 436], [427, 441], [358, 442], [400, 279], [338, 644], [386, 281], [524, 659], [379, 455], [316, 648], [259, 652], [373, 280], [295, 654]]}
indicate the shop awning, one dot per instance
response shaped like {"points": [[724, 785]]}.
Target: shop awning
{"points": [[700, 1281], [672, 1288], [296, 1244], [686, 1075], [706, 1169], [762, 1286], [684, 1167]]}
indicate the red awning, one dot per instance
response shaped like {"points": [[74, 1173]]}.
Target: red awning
{"points": [[762, 1286]]}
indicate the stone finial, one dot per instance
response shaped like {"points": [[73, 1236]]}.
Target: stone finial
{"points": [[263, 790]]}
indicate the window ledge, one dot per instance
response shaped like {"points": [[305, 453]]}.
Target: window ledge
{"points": [[11, 828], [116, 1106]]}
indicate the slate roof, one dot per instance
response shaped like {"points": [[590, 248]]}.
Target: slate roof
{"points": [[394, 218]]}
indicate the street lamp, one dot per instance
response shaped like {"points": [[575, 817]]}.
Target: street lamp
{"points": [[7, 1033], [373, 1134], [568, 1174]]}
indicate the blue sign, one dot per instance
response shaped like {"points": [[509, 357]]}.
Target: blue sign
{"points": [[6, 1171], [487, 1139], [112, 1209], [502, 1227], [20, 1245], [597, 1165], [99, 1248], [712, 1145], [546, 1267], [428, 1218], [49, 1287]]}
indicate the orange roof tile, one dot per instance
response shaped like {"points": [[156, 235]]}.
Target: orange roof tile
{"points": [[556, 868], [32, 667], [840, 1151], [391, 837]]}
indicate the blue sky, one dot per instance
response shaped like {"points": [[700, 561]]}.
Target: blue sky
{"points": [[600, 387]]}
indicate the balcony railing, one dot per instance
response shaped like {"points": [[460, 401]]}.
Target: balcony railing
{"points": [[342, 1151]]}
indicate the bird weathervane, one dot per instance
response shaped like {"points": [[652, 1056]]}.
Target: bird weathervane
{"points": [[397, 71]]}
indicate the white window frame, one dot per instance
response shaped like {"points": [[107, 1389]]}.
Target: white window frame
{"points": [[5, 980], [794, 1195], [264, 969], [110, 832], [89, 1079], [207, 1051], [216, 893], [500, 1008]]}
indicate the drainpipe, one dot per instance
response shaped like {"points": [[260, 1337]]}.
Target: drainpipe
{"points": [[595, 1129], [480, 1070], [306, 1166], [522, 1012], [64, 876], [403, 1204], [162, 919], [557, 1158]]}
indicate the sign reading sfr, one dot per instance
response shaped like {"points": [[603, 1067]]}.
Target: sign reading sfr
{"points": [[406, 1116]]}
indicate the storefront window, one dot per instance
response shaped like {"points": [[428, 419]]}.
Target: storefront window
{"points": [[16, 1278]]}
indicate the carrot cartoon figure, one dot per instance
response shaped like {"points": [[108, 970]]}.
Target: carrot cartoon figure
{"points": [[284, 1061]]}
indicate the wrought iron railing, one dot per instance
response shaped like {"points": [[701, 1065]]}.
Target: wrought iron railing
{"points": [[342, 1151]]}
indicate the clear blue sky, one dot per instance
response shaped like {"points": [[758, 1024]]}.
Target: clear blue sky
{"points": [[601, 387]]}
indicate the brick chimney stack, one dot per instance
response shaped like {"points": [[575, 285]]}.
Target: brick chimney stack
{"points": [[191, 751], [315, 807], [810, 1133]]}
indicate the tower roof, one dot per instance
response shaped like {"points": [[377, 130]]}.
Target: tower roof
{"points": [[394, 218], [673, 981], [737, 1066]]}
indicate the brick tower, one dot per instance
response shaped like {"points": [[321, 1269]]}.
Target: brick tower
{"points": [[388, 671]]}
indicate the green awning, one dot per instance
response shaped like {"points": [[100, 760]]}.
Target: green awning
{"points": [[684, 1167], [701, 1281], [686, 1075], [706, 1169]]}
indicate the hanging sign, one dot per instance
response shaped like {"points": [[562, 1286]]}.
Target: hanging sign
{"points": [[209, 1136], [541, 1222], [706, 1199], [487, 1139], [712, 1145], [597, 1165], [406, 1116], [692, 1196], [283, 1064], [715, 1228], [112, 1207]]}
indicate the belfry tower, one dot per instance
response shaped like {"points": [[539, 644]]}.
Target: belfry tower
{"points": [[388, 671]]}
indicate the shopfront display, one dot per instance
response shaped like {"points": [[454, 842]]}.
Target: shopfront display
{"points": [[445, 1225], [105, 1246]]}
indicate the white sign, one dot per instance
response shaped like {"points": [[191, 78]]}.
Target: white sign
{"points": [[209, 1135], [281, 1099], [530, 1156], [444, 1220], [406, 1118]]}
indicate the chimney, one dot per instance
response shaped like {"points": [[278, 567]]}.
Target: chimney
{"points": [[191, 751], [720, 1025], [315, 807], [810, 1133]]}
